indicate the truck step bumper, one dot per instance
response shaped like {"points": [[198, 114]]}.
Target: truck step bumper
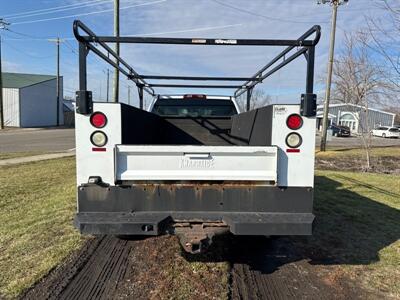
{"points": [[156, 223]]}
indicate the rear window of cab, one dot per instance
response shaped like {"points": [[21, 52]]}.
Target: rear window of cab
{"points": [[194, 108]]}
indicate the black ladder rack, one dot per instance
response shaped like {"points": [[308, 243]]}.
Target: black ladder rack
{"points": [[98, 45]]}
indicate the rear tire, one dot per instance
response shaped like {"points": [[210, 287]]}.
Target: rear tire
{"points": [[384, 135]]}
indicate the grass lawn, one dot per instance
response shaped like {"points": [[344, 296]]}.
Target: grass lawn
{"points": [[357, 230], [37, 204]]}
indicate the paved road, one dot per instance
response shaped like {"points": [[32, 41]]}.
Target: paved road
{"points": [[46, 140], [355, 142]]}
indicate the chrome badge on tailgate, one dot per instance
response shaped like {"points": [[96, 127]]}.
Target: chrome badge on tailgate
{"points": [[196, 161]]}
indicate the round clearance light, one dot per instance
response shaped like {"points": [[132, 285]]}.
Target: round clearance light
{"points": [[294, 140], [98, 138], [294, 121], [98, 120]]}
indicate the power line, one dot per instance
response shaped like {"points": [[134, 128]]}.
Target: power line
{"points": [[26, 35], [136, 34], [57, 10], [49, 9], [75, 51], [26, 53], [266, 17], [187, 30], [89, 13]]}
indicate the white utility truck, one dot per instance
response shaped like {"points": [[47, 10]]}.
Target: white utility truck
{"points": [[194, 165]]}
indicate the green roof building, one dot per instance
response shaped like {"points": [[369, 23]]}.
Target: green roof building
{"points": [[30, 100]]}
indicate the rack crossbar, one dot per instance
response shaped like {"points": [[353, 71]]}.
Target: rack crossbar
{"points": [[208, 86], [197, 78], [197, 42]]}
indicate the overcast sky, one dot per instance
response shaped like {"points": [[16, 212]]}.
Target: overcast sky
{"points": [[26, 49]]}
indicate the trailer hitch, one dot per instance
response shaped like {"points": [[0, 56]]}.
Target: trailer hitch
{"points": [[196, 237]]}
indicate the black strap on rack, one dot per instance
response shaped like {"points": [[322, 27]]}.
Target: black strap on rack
{"points": [[98, 45]]}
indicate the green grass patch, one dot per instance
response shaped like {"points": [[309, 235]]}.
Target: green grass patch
{"points": [[37, 205], [358, 227]]}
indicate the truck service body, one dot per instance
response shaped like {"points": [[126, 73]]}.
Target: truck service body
{"points": [[195, 165]]}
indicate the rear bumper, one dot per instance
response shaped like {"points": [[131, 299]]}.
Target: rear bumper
{"points": [[152, 209], [159, 223]]}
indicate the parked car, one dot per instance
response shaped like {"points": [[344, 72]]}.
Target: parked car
{"points": [[386, 132], [339, 130]]}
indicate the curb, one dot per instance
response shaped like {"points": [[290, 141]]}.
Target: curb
{"points": [[27, 159]]}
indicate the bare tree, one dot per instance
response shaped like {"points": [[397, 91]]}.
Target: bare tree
{"points": [[385, 39], [359, 82], [358, 79], [258, 99]]}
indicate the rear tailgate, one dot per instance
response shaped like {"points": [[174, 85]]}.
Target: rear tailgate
{"points": [[205, 163]]}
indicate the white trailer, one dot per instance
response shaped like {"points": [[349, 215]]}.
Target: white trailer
{"points": [[193, 165]]}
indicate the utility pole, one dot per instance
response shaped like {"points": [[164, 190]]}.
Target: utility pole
{"points": [[108, 81], [58, 81], [58, 41], [129, 95], [108, 85], [335, 4], [3, 25], [116, 34], [1, 93]]}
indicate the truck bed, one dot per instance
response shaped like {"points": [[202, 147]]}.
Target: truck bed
{"points": [[245, 129]]}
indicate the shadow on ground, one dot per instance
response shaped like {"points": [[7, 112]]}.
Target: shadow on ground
{"points": [[349, 229]]}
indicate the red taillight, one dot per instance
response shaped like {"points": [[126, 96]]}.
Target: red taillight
{"points": [[194, 96], [98, 120], [294, 122]]}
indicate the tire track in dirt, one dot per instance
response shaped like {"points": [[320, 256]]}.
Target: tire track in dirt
{"points": [[112, 268], [92, 273], [272, 269]]}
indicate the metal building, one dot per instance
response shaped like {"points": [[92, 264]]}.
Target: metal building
{"points": [[30, 100], [357, 118]]}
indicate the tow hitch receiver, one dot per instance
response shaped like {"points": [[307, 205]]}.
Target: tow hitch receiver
{"points": [[196, 237]]}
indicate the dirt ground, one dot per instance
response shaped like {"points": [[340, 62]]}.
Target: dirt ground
{"points": [[156, 268], [384, 160], [276, 268], [384, 165], [109, 267]]}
